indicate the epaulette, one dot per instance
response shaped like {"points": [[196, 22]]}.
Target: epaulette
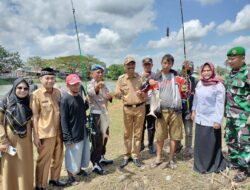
{"points": [[121, 76]]}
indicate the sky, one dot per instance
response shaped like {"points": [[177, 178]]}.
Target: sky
{"points": [[113, 29]]}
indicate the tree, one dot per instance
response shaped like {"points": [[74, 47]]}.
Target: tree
{"points": [[9, 61], [114, 71], [36, 62], [222, 71]]}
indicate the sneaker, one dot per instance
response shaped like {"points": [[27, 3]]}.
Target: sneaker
{"points": [[240, 177], [82, 173], [142, 147], [171, 164], [105, 161], [178, 148], [72, 181], [98, 169], [151, 149]]}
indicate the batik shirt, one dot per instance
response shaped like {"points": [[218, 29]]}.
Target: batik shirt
{"points": [[238, 94]]}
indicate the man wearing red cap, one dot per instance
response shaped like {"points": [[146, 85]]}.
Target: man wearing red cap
{"points": [[73, 119]]}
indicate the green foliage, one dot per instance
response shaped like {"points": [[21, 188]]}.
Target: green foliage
{"points": [[114, 71], [9, 61], [67, 64], [222, 71]]}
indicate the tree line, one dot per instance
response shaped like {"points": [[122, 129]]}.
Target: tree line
{"points": [[10, 61], [65, 64]]}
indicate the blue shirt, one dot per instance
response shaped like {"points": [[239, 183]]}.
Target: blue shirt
{"points": [[209, 102]]}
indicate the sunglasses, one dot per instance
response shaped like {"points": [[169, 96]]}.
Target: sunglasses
{"points": [[24, 88]]}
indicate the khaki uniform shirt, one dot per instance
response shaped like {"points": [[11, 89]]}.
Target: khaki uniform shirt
{"points": [[128, 87], [46, 107]]}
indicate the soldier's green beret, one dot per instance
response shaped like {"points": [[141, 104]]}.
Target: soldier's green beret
{"points": [[236, 51]]}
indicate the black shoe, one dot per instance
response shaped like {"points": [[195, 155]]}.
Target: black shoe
{"points": [[105, 161], [178, 148], [40, 188], [137, 162], [72, 181], [82, 173], [57, 183], [142, 147], [98, 169], [240, 177], [151, 149], [124, 163]]}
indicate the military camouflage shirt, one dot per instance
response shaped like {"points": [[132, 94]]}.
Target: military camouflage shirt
{"points": [[238, 93]]}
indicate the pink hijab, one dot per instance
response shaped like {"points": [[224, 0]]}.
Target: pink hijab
{"points": [[213, 80]]}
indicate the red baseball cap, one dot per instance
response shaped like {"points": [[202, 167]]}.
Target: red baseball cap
{"points": [[73, 79]]}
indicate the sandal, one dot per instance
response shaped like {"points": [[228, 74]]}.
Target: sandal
{"points": [[155, 163]]}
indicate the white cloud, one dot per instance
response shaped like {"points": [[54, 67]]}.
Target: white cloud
{"points": [[46, 28], [242, 22], [193, 31], [209, 2]]}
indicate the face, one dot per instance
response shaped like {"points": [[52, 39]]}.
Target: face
{"points": [[48, 81], [130, 68], [74, 89], [22, 90], [236, 62], [147, 67], [207, 72], [166, 65], [97, 75]]}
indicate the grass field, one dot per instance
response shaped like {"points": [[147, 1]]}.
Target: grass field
{"points": [[132, 178]]}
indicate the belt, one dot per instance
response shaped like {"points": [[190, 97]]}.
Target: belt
{"points": [[135, 105]]}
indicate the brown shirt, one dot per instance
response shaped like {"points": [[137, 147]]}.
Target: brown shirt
{"points": [[127, 88], [46, 107]]}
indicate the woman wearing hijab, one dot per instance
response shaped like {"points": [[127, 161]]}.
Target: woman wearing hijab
{"points": [[15, 131], [207, 113]]}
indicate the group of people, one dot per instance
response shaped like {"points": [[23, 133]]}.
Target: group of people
{"points": [[57, 117], [54, 117], [184, 102]]}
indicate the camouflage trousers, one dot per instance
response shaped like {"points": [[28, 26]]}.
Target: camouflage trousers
{"points": [[237, 136]]}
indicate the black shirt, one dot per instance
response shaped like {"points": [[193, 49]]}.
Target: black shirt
{"points": [[73, 118]]}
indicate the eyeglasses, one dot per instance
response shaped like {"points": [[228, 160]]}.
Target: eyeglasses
{"points": [[24, 88]]}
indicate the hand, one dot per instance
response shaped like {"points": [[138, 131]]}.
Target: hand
{"points": [[216, 126], [152, 82], [37, 141], [184, 88], [109, 96], [248, 120], [100, 85], [193, 115], [139, 93], [4, 146]]}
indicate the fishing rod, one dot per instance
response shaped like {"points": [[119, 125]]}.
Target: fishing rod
{"points": [[186, 64], [79, 47], [183, 32]]}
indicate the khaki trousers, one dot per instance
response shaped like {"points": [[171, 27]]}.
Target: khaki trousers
{"points": [[50, 157], [133, 122]]}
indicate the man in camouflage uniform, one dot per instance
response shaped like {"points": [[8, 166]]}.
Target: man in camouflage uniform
{"points": [[237, 132]]}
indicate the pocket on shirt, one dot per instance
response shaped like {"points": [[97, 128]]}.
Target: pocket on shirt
{"points": [[46, 106], [237, 87]]}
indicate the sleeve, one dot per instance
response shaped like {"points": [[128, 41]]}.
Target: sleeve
{"points": [[220, 102], [117, 89], [64, 112], [2, 130], [35, 105], [91, 89]]}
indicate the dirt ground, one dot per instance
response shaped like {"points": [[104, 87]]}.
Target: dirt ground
{"points": [[145, 178]]}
